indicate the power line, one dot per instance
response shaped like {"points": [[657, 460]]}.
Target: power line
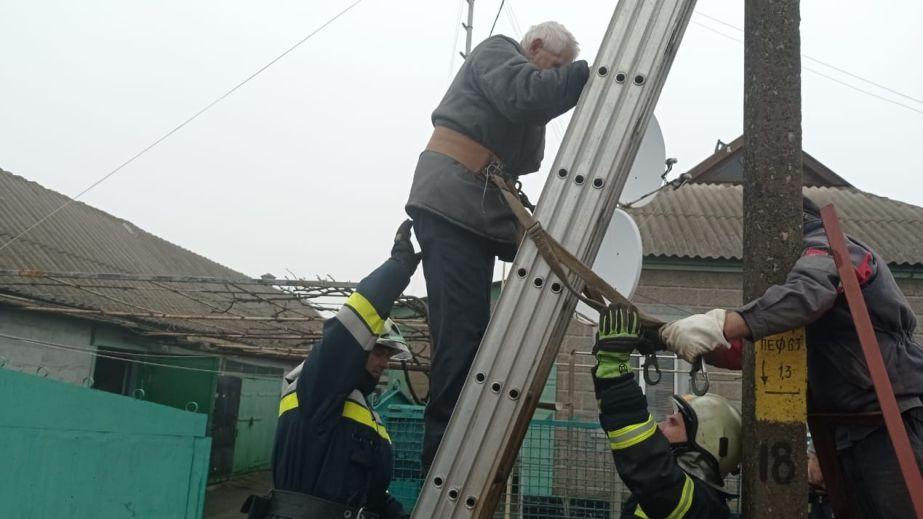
{"points": [[514, 20], [178, 127], [824, 63], [494, 26], [819, 73]]}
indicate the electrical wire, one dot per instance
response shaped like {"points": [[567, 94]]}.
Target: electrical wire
{"points": [[819, 73], [514, 20], [824, 63], [178, 127], [494, 26]]}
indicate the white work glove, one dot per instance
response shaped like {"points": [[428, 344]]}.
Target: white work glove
{"points": [[696, 335]]}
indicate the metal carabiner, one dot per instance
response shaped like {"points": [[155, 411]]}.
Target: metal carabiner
{"points": [[698, 377], [650, 361]]}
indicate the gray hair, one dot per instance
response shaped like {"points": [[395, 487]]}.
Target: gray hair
{"points": [[555, 36]]}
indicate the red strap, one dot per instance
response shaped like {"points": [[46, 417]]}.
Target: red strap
{"points": [[864, 270], [727, 358], [814, 251]]}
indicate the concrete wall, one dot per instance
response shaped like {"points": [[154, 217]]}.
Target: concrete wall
{"points": [[73, 365], [70, 356]]}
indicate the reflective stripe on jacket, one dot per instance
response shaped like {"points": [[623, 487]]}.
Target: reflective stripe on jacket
{"points": [[355, 408]]}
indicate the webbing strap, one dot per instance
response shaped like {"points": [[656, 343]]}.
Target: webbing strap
{"points": [[559, 257]]}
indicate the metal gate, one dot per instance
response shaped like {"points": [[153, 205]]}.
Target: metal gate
{"points": [[70, 451], [256, 423], [224, 426]]}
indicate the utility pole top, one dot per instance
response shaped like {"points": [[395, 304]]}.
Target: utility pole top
{"points": [[469, 29]]}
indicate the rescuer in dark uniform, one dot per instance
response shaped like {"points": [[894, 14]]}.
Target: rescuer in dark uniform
{"points": [[838, 377], [674, 469], [333, 457]]}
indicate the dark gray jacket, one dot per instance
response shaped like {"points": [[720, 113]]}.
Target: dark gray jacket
{"points": [[502, 101], [812, 297]]}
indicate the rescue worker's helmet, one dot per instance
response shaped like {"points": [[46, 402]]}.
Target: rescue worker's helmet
{"points": [[393, 339], [713, 427]]}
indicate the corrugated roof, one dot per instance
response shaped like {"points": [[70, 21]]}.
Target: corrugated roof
{"points": [[706, 221], [81, 238]]}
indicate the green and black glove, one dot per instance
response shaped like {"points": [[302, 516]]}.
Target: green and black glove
{"points": [[619, 334]]}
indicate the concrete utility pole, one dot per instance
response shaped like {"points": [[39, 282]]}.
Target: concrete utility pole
{"points": [[775, 368], [469, 29]]}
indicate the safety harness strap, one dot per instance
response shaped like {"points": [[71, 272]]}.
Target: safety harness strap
{"points": [[559, 257]]}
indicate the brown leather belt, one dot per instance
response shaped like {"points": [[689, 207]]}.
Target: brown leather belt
{"points": [[465, 150]]}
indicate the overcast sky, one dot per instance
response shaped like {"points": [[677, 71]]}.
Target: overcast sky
{"points": [[307, 167]]}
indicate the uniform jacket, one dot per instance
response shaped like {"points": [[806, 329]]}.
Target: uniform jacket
{"points": [[503, 102], [329, 443], [812, 296], [660, 487]]}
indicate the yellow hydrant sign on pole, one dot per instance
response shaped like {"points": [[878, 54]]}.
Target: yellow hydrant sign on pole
{"points": [[781, 377]]}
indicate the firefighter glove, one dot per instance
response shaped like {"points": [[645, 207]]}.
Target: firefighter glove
{"points": [[695, 335], [619, 334], [402, 251]]}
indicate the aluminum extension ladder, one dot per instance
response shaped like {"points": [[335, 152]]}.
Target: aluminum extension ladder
{"points": [[522, 340]]}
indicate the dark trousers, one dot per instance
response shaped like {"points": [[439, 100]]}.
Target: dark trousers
{"points": [[458, 266], [873, 474]]}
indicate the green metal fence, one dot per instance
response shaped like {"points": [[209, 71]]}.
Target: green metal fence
{"points": [[564, 469], [70, 451]]}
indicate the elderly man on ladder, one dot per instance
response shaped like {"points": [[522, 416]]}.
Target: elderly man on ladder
{"points": [[491, 122]]}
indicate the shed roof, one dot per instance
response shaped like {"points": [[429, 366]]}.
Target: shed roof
{"points": [[84, 239], [705, 221]]}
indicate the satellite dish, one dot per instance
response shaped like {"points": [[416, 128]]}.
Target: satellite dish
{"points": [[645, 173], [619, 258]]}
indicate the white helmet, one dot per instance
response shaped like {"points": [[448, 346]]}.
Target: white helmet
{"points": [[393, 339], [713, 427]]}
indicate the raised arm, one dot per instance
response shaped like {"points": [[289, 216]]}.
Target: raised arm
{"points": [[336, 365]]}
